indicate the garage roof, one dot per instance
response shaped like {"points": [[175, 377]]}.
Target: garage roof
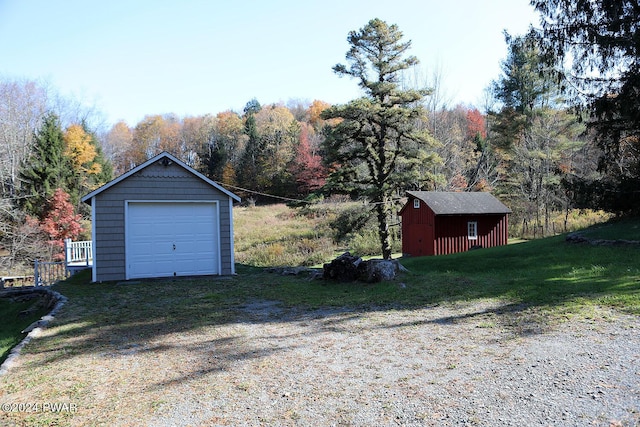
{"points": [[450, 203], [159, 157]]}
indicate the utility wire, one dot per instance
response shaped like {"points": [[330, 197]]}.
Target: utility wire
{"points": [[289, 199], [265, 194]]}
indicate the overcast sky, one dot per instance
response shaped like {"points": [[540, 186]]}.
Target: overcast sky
{"points": [[131, 58]]}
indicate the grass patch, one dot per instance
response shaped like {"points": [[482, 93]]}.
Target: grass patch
{"points": [[625, 229], [556, 277], [551, 274], [548, 273], [16, 316], [276, 235]]}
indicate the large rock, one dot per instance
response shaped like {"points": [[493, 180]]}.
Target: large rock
{"points": [[377, 270]]}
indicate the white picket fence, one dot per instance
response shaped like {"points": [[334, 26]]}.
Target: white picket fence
{"points": [[78, 254]]}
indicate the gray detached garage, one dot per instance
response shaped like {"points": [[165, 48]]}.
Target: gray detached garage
{"points": [[161, 219]]}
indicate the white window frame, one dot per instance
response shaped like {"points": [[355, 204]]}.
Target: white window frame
{"points": [[416, 203], [472, 230]]}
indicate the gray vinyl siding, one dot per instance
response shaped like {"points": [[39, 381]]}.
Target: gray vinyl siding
{"points": [[155, 182]]}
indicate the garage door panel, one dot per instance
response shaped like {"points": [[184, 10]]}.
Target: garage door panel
{"points": [[175, 238]]}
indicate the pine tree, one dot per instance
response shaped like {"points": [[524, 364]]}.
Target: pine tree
{"points": [[252, 153], [596, 45], [376, 147], [46, 169]]}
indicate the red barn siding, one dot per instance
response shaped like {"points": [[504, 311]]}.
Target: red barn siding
{"points": [[419, 224], [424, 233], [451, 233]]}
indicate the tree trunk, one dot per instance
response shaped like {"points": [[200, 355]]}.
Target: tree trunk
{"points": [[383, 228]]}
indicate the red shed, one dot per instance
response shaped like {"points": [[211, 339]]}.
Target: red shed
{"points": [[439, 223]]}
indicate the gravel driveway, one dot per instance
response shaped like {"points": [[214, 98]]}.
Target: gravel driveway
{"points": [[478, 364], [447, 365]]}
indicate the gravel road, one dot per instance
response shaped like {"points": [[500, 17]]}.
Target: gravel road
{"points": [[449, 365]]}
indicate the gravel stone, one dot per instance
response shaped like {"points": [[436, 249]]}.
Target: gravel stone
{"points": [[447, 365]]}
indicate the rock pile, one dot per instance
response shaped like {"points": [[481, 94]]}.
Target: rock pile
{"points": [[349, 268]]}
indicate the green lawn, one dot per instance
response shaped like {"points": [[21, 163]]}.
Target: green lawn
{"points": [[626, 229], [546, 273], [13, 322], [549, 273]]}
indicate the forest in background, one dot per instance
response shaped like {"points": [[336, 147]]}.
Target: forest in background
{"points": [[528, 145]]}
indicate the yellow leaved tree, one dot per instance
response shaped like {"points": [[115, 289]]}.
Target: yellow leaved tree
{"points": [[81, 152]]}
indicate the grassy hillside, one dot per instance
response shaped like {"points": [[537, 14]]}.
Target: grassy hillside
{"points": [[533, 283], [545, 273], [625, 229], [547, 276], [276, 235]]}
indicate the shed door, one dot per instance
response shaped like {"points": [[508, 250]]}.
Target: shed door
{"points": [[172, 239]]}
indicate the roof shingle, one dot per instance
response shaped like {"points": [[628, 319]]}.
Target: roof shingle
{"points": [[450, 203]]}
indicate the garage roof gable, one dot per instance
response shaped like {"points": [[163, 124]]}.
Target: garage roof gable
{"points": [[168, 158]]}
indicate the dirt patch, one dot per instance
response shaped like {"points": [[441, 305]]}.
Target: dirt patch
{"points": [[465, 364]]}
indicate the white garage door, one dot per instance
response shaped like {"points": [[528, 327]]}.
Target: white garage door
{"points": [[171, 239]]}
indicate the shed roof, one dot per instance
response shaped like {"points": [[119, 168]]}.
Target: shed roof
{"points": [[163, 155], [450, 203]]}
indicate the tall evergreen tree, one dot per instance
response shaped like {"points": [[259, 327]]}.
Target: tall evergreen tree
{"points": [[532, 133], [597, 46], [526, 84], [252, 153], [46, 169], [376, 147], [213, 159]]}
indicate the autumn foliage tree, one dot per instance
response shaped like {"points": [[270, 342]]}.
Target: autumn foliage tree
{"points": [[153, 135], [61, 222], [116, 144], [476, 125], [80, 151], [308, 168], [89, 168]]}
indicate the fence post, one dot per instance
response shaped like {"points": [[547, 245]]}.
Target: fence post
{"points": [[67, 251], [36, 273]]}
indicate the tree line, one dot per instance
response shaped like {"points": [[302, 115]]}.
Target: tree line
{"points": [[550, 137]]}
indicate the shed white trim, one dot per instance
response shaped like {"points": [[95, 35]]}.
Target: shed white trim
{"points": [[94, 273]]}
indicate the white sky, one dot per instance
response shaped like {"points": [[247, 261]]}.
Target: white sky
{"points": [[131, 58]]}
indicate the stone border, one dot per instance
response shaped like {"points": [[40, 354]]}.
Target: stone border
{"points": [[578, 237], [36, 327]]}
